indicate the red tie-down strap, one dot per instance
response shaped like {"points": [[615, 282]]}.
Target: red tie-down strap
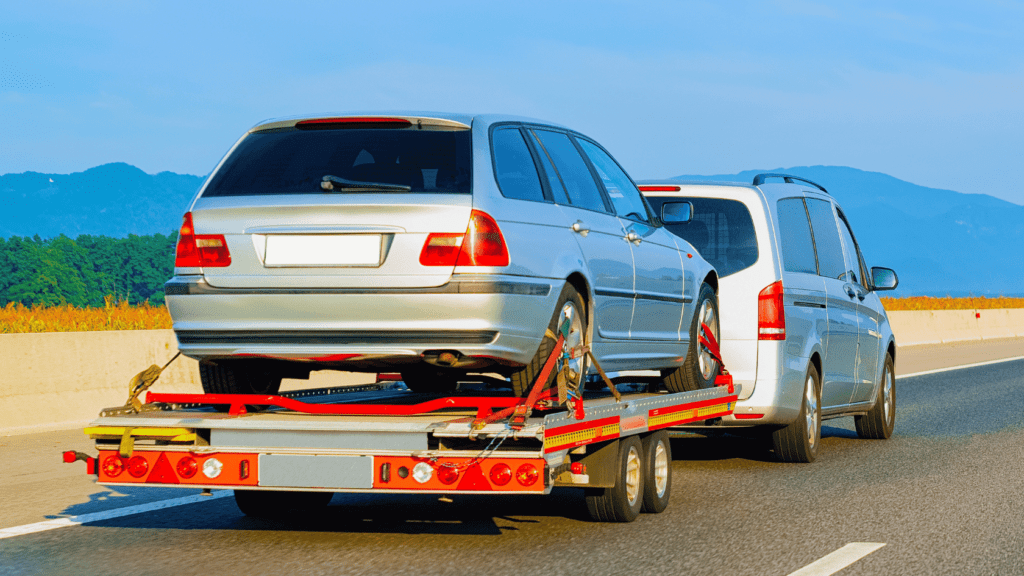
{"points": [[706, 338]]}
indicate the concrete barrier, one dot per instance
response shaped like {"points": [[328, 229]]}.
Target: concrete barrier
{"points": [[60, 380]]}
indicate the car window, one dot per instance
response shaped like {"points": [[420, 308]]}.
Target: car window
{"points": [[831, 263], [573, 171], [625, 197], [854, 264], [294, 161], [548, 171], [795, 237], [722, 231], [513, 166]]}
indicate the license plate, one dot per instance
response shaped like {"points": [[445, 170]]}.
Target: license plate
{"points": [[287, 250]]}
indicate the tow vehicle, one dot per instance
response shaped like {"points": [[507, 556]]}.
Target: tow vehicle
{"points": [[288, 453]]}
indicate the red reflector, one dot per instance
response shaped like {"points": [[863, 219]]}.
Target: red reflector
{"points": [[162, 472], [659, 188], [501, 474], [527, 474], [113, 466], [771, 314], [748, 416], [70, 456], [187, 467], [210, 250], [138, 466], [447, 474]]}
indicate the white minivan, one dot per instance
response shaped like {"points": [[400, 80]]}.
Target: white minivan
{"points": [[802, 328]]}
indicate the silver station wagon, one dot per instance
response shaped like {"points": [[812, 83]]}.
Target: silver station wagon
{"points": [[803, 329], [434, 245]]}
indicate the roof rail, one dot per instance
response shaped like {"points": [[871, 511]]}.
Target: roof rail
{"points": [[760, 178]]}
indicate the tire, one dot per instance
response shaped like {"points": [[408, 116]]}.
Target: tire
{"points": [[657, 460], [279, 504], [238, 377], [523, 379], [431, 379], [799, 441], [700, 369], [880, 421], [621, 503]]}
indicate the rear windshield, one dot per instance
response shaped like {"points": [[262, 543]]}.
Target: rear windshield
{"points": [[721, 230], [294, 161]]}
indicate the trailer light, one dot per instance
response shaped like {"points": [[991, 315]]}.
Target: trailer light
{"points": [[243, 469], [187, 467], [501, 474], [113, 466], [527, 474], [422, 472], [138, 466], [403, 472], [447, 474], [212, 468]]}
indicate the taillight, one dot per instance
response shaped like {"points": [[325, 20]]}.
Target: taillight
{"points": [[501, 474], [481, 245], [195, 250], [187, 467], [447, 474], [771, 315], [138, 466], [527, 474], [113, 466]]}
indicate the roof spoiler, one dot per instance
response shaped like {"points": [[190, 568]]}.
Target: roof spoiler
{"points": [[760, 178]]}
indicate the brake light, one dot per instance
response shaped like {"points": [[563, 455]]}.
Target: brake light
{"points": [[501, 474], [659, 188], [481, 245], [365, 122], [195, 250], [771, 315], [527, 474]]}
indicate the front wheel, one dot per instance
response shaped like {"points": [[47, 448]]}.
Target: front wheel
{"points": [[700, 369], [571, 306], [880, 421]]}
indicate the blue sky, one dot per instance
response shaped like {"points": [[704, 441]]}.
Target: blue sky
{"points": [[930, 92]]}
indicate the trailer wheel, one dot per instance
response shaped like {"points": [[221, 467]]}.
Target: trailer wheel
{"points": [[570, 305], [879, 422], [657, 460], [700, 368], [430, 379], [622, 502], [237, 377], [279, 504], [799, 441]]}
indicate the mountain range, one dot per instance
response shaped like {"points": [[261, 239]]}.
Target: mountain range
{"points": [[940, 242]]}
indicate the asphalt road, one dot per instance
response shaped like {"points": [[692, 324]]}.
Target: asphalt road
{"points": [[945, 495]]}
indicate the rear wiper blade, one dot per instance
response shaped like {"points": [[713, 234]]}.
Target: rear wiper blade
{"points": [[334, 183]]}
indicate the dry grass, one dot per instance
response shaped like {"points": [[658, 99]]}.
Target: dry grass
{"points": [[929, 303], [16, 318]]}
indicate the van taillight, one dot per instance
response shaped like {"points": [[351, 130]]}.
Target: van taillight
{"points": [[195, 250], [771, 315], [481, 245]]}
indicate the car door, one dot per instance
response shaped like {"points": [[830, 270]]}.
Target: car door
{"points": [[804, 296], [840, 357], [657, 266], [600, 235], [869, 341]]}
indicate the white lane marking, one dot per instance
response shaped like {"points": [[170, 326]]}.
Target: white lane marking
{"points": [[962, 366], [108, 514], [839, 559]]}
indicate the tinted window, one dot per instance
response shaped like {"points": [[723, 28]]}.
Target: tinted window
{"points": [[721, 230], [293, 161], [573, 171], [548, 169], [826, 238], [513, 166], [795, 232], [625, 197]]}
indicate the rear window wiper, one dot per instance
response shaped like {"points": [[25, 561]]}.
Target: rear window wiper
{"points": [[330, 183]]}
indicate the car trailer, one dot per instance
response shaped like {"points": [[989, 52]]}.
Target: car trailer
{"points": [[290, 452]]}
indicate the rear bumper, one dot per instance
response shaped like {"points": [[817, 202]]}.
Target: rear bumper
{"points": [[495, 318]]}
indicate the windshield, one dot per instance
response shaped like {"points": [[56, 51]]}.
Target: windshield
{"points": [[295, 161], [721, 230]]}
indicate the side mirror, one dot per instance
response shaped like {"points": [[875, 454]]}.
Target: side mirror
{"points": [[676, 212], [884, 278]]}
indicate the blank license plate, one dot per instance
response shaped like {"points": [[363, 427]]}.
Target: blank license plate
{"points": [[323, 250]]}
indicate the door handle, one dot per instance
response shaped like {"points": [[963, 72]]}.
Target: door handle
{"points": [[580, 228], [634, 237]]}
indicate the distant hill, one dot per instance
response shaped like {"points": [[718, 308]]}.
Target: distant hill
{"points": [[112, 200], [939, 242]]}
